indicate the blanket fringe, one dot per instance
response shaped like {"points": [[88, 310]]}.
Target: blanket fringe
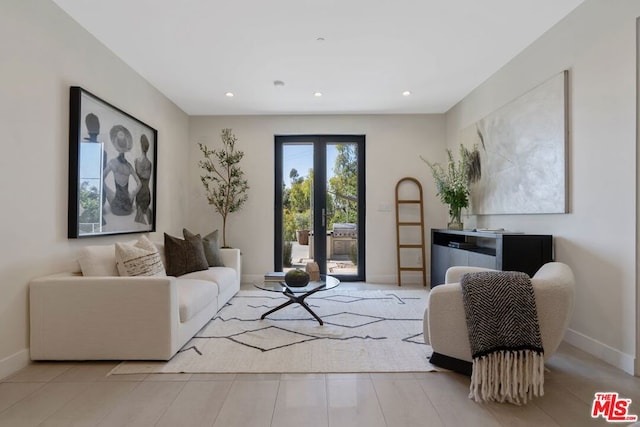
{"points": [[507, 376]]}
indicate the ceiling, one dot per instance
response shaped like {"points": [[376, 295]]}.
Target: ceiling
{"points": [[360, 54]]}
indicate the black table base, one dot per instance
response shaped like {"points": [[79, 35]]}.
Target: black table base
{"points": [[297, 299]]}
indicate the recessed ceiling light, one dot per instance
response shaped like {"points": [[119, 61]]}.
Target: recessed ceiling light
{"points": [[229, 94], [406, 93], [317, 94]]}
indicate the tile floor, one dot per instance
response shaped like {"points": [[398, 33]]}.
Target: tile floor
{"points": [[81, 394]]}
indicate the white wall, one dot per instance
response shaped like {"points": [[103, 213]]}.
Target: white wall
{"points": [[44, 52], [393, 145], [597, 44]]}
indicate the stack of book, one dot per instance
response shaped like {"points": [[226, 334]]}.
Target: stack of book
{"points": [[274, 276], [462, 245]]}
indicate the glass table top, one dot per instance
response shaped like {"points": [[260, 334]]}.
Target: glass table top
{"points": [[326, 282]]}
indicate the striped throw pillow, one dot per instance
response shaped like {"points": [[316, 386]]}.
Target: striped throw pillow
{"points": [[139, 259]]}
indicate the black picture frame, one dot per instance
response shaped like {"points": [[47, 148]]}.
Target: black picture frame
{"points": [[112, 169]]}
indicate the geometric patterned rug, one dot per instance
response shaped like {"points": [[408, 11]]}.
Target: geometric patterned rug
{"points": [[363, 331]]}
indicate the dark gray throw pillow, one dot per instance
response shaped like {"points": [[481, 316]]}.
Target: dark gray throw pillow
{"points": [[211, 247], [184, 256]]}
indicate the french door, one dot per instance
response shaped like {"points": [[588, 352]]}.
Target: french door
{"points": [[320, 204]]}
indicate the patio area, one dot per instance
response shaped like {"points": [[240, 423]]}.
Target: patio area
{"points": [[300, 257]]}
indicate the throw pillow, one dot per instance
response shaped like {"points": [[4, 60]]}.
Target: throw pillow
{"points": [[139, 259], [98, 260], [211, 247], [184, 256]]}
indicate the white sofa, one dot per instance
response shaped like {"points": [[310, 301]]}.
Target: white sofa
{"points": [[445, 327], [75, 317]]}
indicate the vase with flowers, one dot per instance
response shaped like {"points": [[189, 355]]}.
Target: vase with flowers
{"points": [[453, 182]]}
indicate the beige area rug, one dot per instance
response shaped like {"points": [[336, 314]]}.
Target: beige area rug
{"points": [[363, 331]]}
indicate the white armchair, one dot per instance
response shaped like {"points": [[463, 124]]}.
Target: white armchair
{"points": [[445, 327]]}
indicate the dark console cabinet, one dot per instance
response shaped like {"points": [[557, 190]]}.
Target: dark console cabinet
{"points": [[497, 250]]}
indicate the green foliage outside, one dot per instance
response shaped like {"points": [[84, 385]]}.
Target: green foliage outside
{"points": [[89, 203], [296, 202], [343, 186], [286, 254], [342, 199], [353, 254]]}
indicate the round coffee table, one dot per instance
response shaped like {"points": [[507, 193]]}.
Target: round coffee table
{"points": [[297, 295]]}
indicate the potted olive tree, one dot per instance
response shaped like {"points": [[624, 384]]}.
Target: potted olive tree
{"points": [[224, 181]]}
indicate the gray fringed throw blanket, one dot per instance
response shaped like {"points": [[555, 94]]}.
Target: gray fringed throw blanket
{"points": [[502, 321]]}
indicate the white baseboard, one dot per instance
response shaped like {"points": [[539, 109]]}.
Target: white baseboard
{"points": [[602, 351], [409, 278], [389, 279], [12, 364], [251, 278], [385, 279]]}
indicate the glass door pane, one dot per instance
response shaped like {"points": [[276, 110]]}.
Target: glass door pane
{"points": [[342, 208], [297, 205]]}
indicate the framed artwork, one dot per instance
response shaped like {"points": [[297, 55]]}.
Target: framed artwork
{"points": [[112, 169], [523, 153]]}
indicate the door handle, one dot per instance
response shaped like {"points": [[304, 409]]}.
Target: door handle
{"points": [[324, 217]]}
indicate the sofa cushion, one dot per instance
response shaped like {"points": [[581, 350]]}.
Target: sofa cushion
{"points": [[184, 256], [98, 260], [223, 276], [139, 259], [194, 295], [211, 247]]}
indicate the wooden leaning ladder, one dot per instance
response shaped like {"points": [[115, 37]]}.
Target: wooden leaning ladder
{"points": [[417, 223]]}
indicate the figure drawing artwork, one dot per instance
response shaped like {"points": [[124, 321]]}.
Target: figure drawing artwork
{"points": [[112, 173]]}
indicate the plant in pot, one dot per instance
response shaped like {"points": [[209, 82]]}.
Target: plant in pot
{"points": [[303, 222], [286, 254], [224, 181], [296, 278], [453, 183]]}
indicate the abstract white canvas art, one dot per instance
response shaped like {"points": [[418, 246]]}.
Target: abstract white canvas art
{"points": [[523, 149]]}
